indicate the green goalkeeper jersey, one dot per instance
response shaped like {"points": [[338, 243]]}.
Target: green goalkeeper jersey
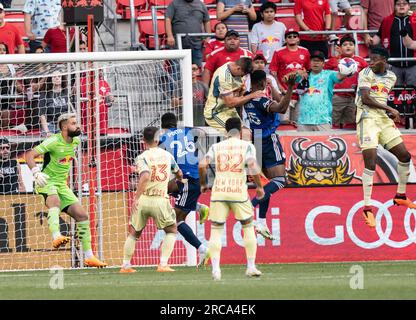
{"points": [[58, 156]]}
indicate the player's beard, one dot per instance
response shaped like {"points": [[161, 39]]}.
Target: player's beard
{"points": [[75, 133]]}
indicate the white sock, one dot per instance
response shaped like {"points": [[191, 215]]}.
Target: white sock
{"points": [[262, 221], [126, 264], [164, 261], [56, 235], [88, 254], [367, 179], [215, 265], [403, 170], [251, 264], [202, 249]]}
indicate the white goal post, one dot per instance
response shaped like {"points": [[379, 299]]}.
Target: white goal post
{"points": [[138, 86]]}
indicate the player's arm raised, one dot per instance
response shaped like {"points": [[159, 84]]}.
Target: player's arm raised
{"points": [[232, 101], [41, 179], [372, 103], [282, 106]]}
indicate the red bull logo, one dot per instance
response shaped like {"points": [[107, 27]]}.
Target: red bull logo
{"points": [[313, 90], [380, 89], [66, 160], [270, 40]]}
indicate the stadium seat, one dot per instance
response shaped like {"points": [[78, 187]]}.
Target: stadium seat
{"points": [[287, 17], [117, 130], [16, 19], [213, 18], [123, 7], [159, 3], [146, 28]]}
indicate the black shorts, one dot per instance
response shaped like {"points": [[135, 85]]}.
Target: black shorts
{"points": [[188, 195]]}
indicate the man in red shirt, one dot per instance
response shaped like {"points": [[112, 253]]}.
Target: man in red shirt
{"points": [[9, 34], [373, 13], [287, 59], [343, 103], [55, 38], [316, 17], [230, 53]]}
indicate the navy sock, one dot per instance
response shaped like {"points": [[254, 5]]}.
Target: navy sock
{"points": [[187, 233], [263, 207], [273, 186]]}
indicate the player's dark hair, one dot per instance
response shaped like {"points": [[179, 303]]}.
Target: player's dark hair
{"points": [[381, 51], [246, 64], [169, 120], [346, 38], [149, 134], [233, 124], [268, 5], [257, 77]]}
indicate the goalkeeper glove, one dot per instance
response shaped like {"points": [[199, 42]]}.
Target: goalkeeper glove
{"points": [[403, 32], [41, 179]]}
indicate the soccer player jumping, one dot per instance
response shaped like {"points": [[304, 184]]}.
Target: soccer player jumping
{"points": [[263, 118], [375, 126], [51, 183]]}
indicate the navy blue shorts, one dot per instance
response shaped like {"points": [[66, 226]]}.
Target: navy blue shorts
{"points": [[188, 195], [272, 152]]}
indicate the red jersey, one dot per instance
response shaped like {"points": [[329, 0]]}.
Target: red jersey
{"points": [[222, 56], [10, 35], [285, 61], [212, 45], [350, 82], [104, 90], [56, 39], [314, 12]]}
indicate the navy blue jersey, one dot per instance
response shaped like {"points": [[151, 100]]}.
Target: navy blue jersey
{"points": [[259, 117], [180, 142]]}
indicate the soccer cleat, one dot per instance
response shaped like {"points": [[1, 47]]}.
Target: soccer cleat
{"points": [[203, 213], [60, 241], [164, 269], [253, 272], [216, 275], [402, 200], [263, 179], [204, 259], [369, 217], [94, 262], [127, 270], [264, 231]]}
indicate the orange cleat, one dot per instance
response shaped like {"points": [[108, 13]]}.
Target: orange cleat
{"points": [[164, 269], [402, 200], [94, 262], [60, 241], [263, 179], [369, 217], [127, 270]]}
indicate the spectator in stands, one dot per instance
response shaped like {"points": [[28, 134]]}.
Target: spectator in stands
{"points": [[6, 3], [40, 15], [200, 93], [315, 112], [106, 101], [343, 103], [267, 35], [316, 17], [7, 88], [83, 46], [373, 12], [287, 59], [213, 44], [407, 40], [39, 49], [53, 102], [236, 14], [231, 52], [272, 89], [55, 39], [345, 7], [11, 180], [9, 34], [187, 16], [389, 36]]}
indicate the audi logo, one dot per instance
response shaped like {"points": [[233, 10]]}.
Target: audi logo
{"points": [[383, 235]]}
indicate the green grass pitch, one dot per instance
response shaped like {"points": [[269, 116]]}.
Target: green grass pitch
{"points": [[381, 280]]}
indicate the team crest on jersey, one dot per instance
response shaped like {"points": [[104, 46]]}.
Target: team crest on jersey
{"points": [[320, 2], [319, 163], [301, 56]]}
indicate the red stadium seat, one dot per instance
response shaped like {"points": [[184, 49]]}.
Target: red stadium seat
{"points": [[146, 28], [287, 17], [213, 18], [17, 19], [123, 7], [159, 2]]}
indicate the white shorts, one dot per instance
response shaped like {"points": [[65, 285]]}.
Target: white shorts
{"points": [[339, 4]]}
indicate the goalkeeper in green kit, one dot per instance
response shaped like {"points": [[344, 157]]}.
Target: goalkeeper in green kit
{"points": [[51, 182]]}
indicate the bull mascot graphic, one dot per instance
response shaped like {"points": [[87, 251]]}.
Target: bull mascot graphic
{"points": [[318, 164]]}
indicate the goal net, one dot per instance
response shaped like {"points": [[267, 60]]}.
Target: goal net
{"points": [[115, 96]]}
